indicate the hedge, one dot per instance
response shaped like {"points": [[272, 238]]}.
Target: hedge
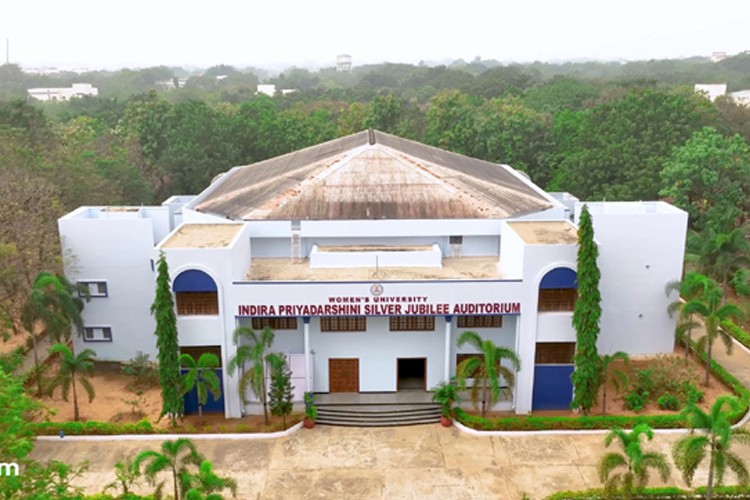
{"points": [[532, 423], [735, 331], [667, 492], [93, 428]]}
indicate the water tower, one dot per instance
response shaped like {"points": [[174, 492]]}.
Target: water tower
{"points": [[343, 62]]}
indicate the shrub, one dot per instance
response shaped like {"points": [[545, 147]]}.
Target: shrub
{"points": [[145, 373], [636, 400], [691, 394], [668, 402], [644, 381]]}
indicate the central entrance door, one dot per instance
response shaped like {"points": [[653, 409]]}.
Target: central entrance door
{"points": [[411, 374], [343, 375]]}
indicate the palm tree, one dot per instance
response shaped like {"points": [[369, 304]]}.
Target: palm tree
{"points": [[206, 484], [720, 251], [73, 369], [175, 457], [127, 476], [620, 377], [634, 462], [202, 376], [708, 304], [716, 436], [689, 288], [53, 302], [255, 352], [486, 369]]}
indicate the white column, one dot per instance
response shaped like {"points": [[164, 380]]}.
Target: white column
{"points": [[308, 364], [448, 348]]}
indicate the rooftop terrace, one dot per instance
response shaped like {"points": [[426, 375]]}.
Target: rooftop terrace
{"points": [[203, 236], [546, 232], [463, 268]]}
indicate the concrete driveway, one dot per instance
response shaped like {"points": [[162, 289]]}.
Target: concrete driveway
{"points": [[420, 462]]}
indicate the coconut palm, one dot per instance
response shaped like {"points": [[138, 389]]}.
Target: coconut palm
{"points": [[630, 471], [690, 287], [73, 369], [720, 251], [708, 304], [486, 369], [54, 303], [175, 457], [715, 435], [201, 375], [255, 351], [206, 484], [620, 377]]}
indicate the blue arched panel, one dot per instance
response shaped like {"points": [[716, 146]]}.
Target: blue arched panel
{"points": [[561, 277], [194, 281], [212, 405], [553, 389]]}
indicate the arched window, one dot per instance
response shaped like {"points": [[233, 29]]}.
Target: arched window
{"points": [[195, 294], [558, 290]]}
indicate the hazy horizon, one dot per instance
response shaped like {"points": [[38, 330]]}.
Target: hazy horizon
{"points": [[305, 34]]}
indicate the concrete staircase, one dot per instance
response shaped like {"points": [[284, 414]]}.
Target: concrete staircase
{"points": [[378, 415]]}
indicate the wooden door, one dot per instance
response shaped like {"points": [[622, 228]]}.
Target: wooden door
{"points": [[343, 375]]}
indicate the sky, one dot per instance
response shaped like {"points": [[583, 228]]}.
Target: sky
{"points": [[141, 33]]}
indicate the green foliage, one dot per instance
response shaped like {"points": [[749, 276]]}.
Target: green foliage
{"points": [[173, 404], [735, 331], [668, 402], [11, 361], [635, 462], [15, 431], [446, 395], [587, 374], [175, 457], [53, 480], [91, 428], [708, 175], [486, 370], [714, 438], [145, 373], [662, 493], [201, 375], [691, 394], [636, 400], [280, 394], [127, 476], [722, 252], [74, 369], [205, 484], [311, 411], [252, 347]]}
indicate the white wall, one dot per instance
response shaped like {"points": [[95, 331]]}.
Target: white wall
{"points": [[555, 327], [342, 259], [118, 252]]}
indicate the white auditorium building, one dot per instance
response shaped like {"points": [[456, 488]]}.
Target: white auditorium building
{"points": [[368, 256]]}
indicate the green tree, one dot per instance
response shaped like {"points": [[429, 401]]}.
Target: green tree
{"points": [[720, 252], [252, 347], [201, 375], [73, 369], [280, 394], [127, 476], [205, 484], [707, 303], [715, 436], [634, 462], [16, 436], [619, 376], [586, 315], [173, 404], [450, 121], [53, 303], [176, 457], [689, 288], [708, 176], [486, 370]]}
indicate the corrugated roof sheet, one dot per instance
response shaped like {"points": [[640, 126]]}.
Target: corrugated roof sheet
{"points": [[354, 178]]}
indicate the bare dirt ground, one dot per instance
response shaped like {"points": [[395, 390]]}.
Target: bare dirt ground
{"points": [[675, 365], [116, 402]]}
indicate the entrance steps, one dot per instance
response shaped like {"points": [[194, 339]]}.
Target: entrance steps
{"points": [[377, 415]]}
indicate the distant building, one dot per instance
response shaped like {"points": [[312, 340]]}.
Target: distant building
{"points": [[718, 56], [63, 94], [711, 90], [742, 97], [270, 89], [343, 62], [171, 84]]}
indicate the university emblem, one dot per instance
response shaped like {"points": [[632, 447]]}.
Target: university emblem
{"points": [[376, 289]]}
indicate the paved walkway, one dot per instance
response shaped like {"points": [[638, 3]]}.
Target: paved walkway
{"points": [[421, 462]]}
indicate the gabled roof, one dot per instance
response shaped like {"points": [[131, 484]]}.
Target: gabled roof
{"points": [[371, 175]]}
